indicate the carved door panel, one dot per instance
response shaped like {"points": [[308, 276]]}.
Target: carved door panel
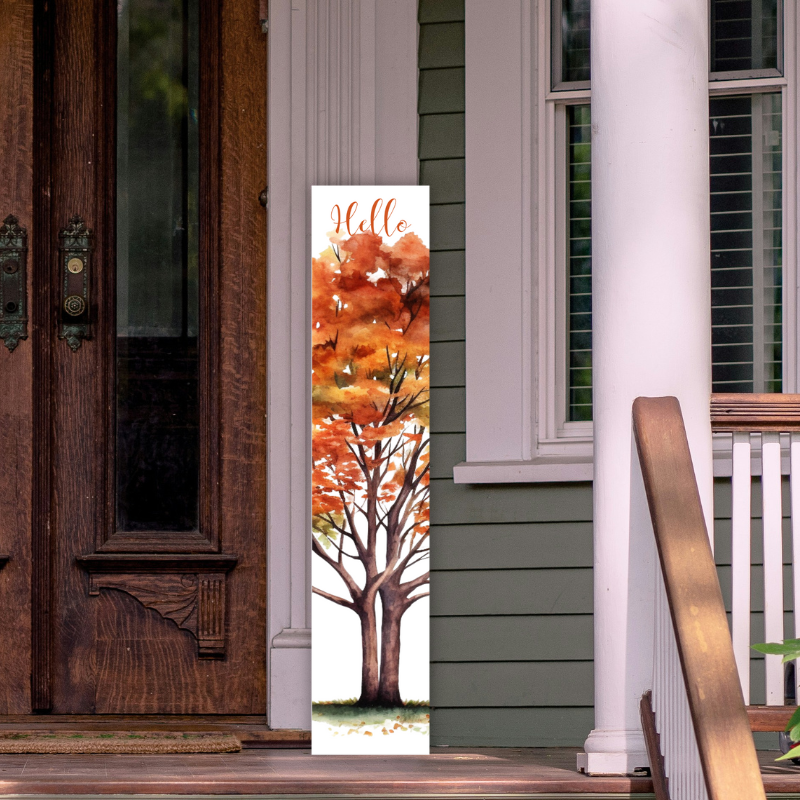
{"points": [[147, 345]]}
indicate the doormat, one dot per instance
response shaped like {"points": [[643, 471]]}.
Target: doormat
{"points": [[119, 742]]}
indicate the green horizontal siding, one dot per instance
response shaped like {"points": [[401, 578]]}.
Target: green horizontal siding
{"points": [[448, 362], [518, 591], [543, 545], [511, 726], [441, 91], [512, 638], [511, 584], [441, 136], [493, 684], [515, 502], [446, 449], [441, 11], [448, 412], [447, 319], [441, 44], [445, 176], [447, 273], [447, 227]]}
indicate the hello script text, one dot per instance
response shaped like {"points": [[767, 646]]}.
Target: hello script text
{"points": [[376, 223]]}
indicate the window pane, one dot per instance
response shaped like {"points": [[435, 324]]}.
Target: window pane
{"points": [[746, 249], [579, 270], [744, 35], [746, 242], [157, 455], [571, 29]]}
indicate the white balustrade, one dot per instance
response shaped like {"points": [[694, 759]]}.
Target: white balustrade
{"points": [[771, 517], [766, 447], [682, 765], [794, 468], [740, 558]]}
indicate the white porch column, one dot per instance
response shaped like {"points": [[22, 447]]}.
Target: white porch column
{"points": [[651, 318]]}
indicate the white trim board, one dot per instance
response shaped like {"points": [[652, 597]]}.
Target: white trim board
{"points": [[342, 110]]}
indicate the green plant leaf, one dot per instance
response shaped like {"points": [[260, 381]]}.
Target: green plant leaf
{"points": [[790, 649], [793, 753], [794, 722]]}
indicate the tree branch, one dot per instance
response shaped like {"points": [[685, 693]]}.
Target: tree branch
{"points": [[409, 586], [349, 514], [351, 585], [333, 598], [411, 600]]}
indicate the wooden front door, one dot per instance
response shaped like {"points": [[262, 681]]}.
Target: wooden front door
{"points": [[132, 417]]}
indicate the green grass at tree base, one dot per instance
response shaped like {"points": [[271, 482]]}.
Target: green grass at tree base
{"points": [[346, 711]]}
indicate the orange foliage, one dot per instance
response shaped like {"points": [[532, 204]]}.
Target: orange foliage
{"points": [[371, 318]]}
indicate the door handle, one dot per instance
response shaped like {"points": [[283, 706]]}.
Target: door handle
{"points": [[13, 282], [75, 244]]}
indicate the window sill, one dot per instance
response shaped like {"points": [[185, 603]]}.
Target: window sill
{"points": [[579, 468], [553, 469]]}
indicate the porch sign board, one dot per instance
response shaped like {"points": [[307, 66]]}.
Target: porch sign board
{"points": [[370, 484]]}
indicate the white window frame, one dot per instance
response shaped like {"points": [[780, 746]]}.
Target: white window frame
{"points": [[516, 392]]}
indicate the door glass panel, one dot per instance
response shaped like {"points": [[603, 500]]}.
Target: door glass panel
{"points": [[157, 458]]}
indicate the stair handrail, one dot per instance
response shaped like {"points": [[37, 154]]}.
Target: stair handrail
{"points": [[722, 731]]}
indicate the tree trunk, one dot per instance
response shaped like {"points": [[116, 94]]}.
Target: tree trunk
{"points": [[393, 610], [369, 654]]}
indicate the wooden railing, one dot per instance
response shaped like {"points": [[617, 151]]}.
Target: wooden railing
{"points": [[705, 737]]}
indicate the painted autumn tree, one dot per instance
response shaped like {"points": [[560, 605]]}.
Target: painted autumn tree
{"points": [[370, 438]]}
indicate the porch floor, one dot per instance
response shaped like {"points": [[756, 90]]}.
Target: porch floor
{"points": [[468, 772], [464, 771]]}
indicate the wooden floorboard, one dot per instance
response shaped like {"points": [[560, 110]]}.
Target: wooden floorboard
{"points": [[778, 778], [475, 772]]}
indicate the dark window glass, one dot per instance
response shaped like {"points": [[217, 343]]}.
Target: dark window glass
{"points": [[579, 256], [571, 45], [746, 243], [157, 456], [745, 35]]}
